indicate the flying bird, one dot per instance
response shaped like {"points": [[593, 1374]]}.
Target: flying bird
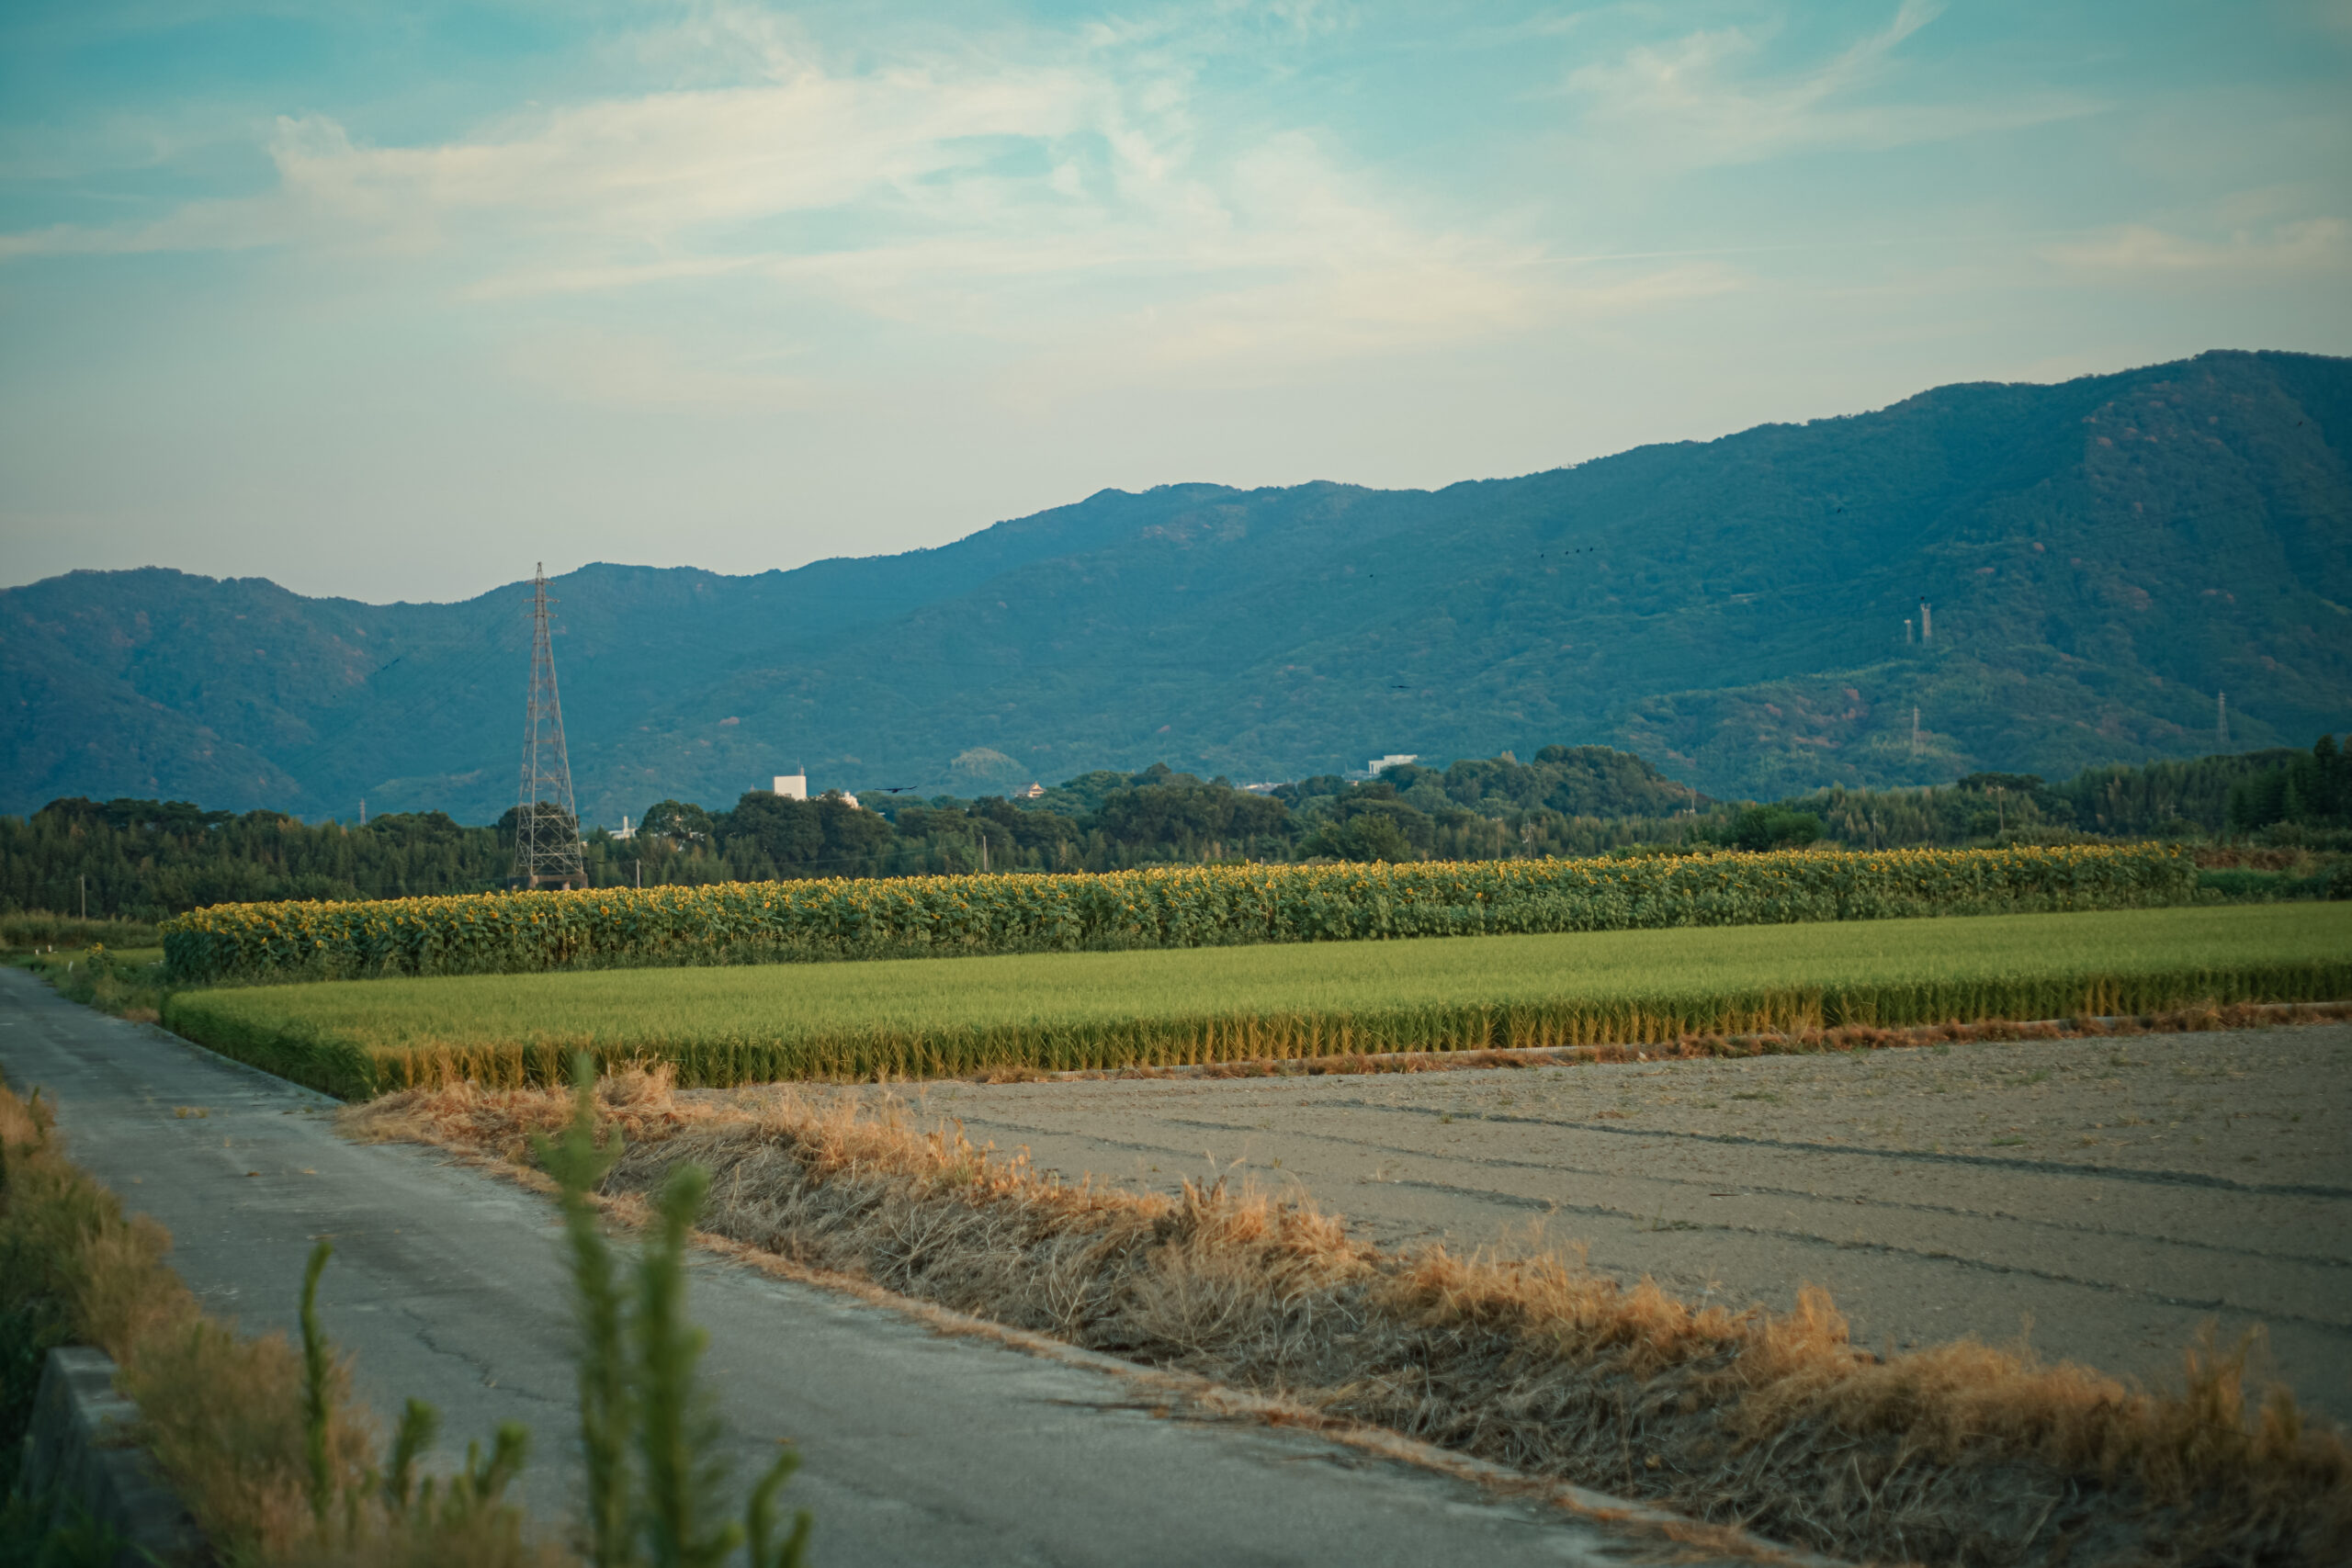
{"points": [[896, 789]]}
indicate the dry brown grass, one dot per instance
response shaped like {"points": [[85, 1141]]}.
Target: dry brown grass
{"points": [[1957, 1454], [221, 1413]]}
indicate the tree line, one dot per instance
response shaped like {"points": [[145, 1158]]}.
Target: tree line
{"points": [[145, 860]]}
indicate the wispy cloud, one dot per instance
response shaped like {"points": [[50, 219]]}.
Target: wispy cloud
{"points": [[1038, 190], [1707, 99], [639, 370], [2138, 252]]}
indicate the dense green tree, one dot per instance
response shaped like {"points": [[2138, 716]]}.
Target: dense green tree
{"points": [[2313, 789], [787, 832], [1367, 836], [677, 820], [146, 859], [1772, 828]]}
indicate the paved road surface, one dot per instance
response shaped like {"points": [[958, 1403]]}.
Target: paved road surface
{"points": [[920, 1447]]}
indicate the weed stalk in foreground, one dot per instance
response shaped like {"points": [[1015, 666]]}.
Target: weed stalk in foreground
{"points": [[677, 1432], [579, 1161], [316, 1403], [429, 1516], [637, 1360]]}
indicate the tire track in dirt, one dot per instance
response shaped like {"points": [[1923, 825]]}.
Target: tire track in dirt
{"points": [[1171, 1150], [1990, 1162], [1805, 1238]]}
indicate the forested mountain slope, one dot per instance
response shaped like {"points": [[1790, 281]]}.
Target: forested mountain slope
{"points": [[2103, 557]]}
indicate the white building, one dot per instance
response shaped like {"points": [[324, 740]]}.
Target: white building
{"points": [[792, 787], [1379, 765]]}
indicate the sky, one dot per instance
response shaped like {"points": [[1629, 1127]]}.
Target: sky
{"points": [[394, 301]]}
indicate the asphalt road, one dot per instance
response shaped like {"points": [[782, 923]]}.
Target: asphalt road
{"points": [[919, 1446]]}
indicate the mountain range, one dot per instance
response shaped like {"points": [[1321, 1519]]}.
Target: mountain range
{"points": [[2102, 560]]}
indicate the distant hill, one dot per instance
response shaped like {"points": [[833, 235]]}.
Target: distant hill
{"points": [[2102, 557]]}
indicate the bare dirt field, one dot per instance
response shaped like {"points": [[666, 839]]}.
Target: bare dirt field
{"points": [[2114, 1194]]}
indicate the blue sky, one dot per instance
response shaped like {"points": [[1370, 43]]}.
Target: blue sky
{"points": [[394, 301]]}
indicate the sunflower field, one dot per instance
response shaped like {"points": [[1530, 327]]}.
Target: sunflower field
{"points": [[1157, 907]]}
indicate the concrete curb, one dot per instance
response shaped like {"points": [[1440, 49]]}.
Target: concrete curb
{"points": [[81, 1452]]}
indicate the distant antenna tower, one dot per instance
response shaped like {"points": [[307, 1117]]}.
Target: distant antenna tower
{"points": [[1915, 732], [2222, 716], [546, 826], [1926, 631]]}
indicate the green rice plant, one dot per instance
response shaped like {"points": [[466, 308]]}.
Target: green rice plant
{"points": [[1050, 1011], [1161, 908]]}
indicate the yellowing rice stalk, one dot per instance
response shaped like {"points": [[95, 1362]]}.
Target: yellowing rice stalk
{"points": [[1058, 1012]]}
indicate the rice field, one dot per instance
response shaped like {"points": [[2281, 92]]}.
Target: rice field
{"points": [[936, 1016]]}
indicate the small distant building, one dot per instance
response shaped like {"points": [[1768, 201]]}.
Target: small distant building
{"points": [[792, 787], [849, 800], [1380, 765], [624, 833], [1034, 791]]}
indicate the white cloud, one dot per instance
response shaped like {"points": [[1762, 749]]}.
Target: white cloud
{"points": [[1705, 100], [643, 371], [1040, 190], [2140, 252]]}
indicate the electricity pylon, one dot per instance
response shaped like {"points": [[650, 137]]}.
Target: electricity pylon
{"points": [[546, 826]]}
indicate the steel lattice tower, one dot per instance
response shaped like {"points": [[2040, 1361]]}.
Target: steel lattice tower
{"points": [[547, 825]]}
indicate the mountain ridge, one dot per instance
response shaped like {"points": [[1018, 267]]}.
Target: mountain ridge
{"points": [[2104, 556]]}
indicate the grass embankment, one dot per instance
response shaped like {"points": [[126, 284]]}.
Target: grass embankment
{"points": [[127, 982], [1954, 1455], [927, 1018], [35, 931], [1173, 907]]}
